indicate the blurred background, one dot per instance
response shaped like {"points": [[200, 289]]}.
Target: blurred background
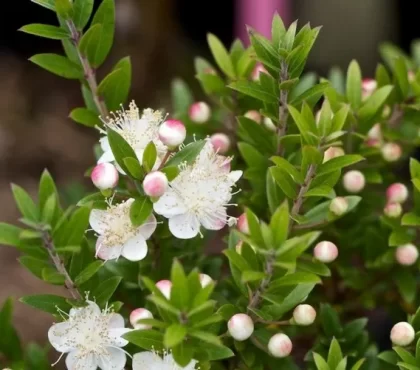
{"points": [[162, 37]]}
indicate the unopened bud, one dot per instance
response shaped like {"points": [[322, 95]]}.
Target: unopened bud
{"points": [[354, 181], [259, 68], [165, 287], [393, 210], [200, 112], [339, 206], [105, 176], [333, 152], [242, 225], [140, 314], [402, 334], [220, 142], [407, 254], [205, 280], [280, 345], [375, 132], [155, 184], [397, 193], [240, 327], [304, 314], [269, 124], [254, 115], [369, 85], [391, 152], [326, 252], [172, 133]]}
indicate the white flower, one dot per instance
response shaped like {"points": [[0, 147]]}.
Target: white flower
{"points": [[117, 235], [199, 195], [137, 131], [91, 338], [152, 361]]}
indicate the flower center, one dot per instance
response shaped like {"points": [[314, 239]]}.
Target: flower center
{"points": [[119, 228]]}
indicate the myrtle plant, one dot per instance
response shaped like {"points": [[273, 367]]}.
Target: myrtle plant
{"points": [[254, 230]]}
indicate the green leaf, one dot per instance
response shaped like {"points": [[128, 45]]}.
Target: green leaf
{"points": [[252, 276], [47, 302], [254, 90], [358, 364], [295, 278], [64, 8], [406, 284], [256, 134], [330, 321], [58, 65], [170, 172], [149, 156], [237, 260], [354, 85], [181, 95], [45, 30], [50, 275], [409, 219], [88, 272], [49, 4], [338, 163], [320, 363], [306, 128], [180, 297], [85, 117], [314, 267], [10, 346], [374, 103], [401, 76], [289, 37], [183, 353], [284, 181], [174, 335], [296, 296], [73, 232], [9, 235], [146, 339], [88, 99], [120, 148], [289, 168], [339, 119], [206, 337], [334, 354], [140, 210], [104, 291], [324, 191], [389, 357], [277, 31], [274, 194], [25, 204], [312, 94], [279, 224], [215, 353], [405, 355], [82, 12], [134, 168], [188, 154], [220, 55], [49, 210], [164, 304]]}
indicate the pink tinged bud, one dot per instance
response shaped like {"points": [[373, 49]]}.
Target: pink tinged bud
{"points": [[407, 254], [259, 68], [333, 152], [199, 112], [205, 280], [243, 226], [402, 334], [155, 184], [280, 345], [304, 315], [339, 206], [269, 124], [254, 115], [220, 142], [172, 133], [393, 210], [165, 287], [105, 176], [240, 327], [391, 152], [140, 314], [375, 132], [354, 181], [369, 85], [373, 143], [326, 252], [397, 193]]}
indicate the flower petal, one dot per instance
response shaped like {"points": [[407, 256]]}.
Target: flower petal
{"points": [[115, 336], [116, 321], [106, 157], [215, 220], [149, 227], [235, 175], [108, 253], [147, 360], [75, 362], [169, 205], [97, 220], [185, 226], [169, 360], [135, 248], [114, 360], [62, 336], [104, 142]]}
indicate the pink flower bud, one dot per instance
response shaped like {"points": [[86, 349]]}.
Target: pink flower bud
{"points": [[354, 181], [397, 193], [243, 226], [326, 252], [407, 254], [240, 327], [172, 133], [155, 184], [280, 345], [391, 152], [339, 206], [369, 85], [254, 115], [165, 287], [200, 112], [139, 314], [259, 68], [402, 334], [220, 142], [373, 143], [375, 132], [332, 152], [105, 176], [393, 210], [269, 124], [205, 280], [304, 314]]}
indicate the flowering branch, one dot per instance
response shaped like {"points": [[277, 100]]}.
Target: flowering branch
{"points": [[283, 111]]}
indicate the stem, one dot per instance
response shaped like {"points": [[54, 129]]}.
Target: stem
{"points": [[396, 117], [283, 111], [89, 71], [310, 226], [164, 160], [59, 265]]}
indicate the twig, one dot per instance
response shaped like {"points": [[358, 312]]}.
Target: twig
{"points": [[283, 111], [310, 226], [164, 160]]}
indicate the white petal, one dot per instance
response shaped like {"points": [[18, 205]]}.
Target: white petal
{"points": [[107, 253], [115, 360], [214, 221], [93, 309], [169, 205], [105, 143], [235, 175], [147, 360], [115, 335], [169, 359], [116, 321], [135, 249], [62, 337], [149, 227], [185, 226], [107, 156], [97, 220], [73, 362]]}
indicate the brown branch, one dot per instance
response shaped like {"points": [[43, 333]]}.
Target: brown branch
{"points": [[283, 111]]}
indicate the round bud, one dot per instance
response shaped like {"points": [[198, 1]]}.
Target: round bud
{"points": [[105, 176], [259, 68], [402, 334], [220, 142], [269, 124], [172, 133], [304, 314], [254, 115], [373, 143], [240, 327], [165, 287], [243, 226], [155, 184], [200, 112], [391, 152], [393, 210], [339, 206], [407, 254], [332, 152], [369, 85], [397, 193], [326, 252], [375, 132], [139, 314], [280, 345], [354, 181], [205, 280]]}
